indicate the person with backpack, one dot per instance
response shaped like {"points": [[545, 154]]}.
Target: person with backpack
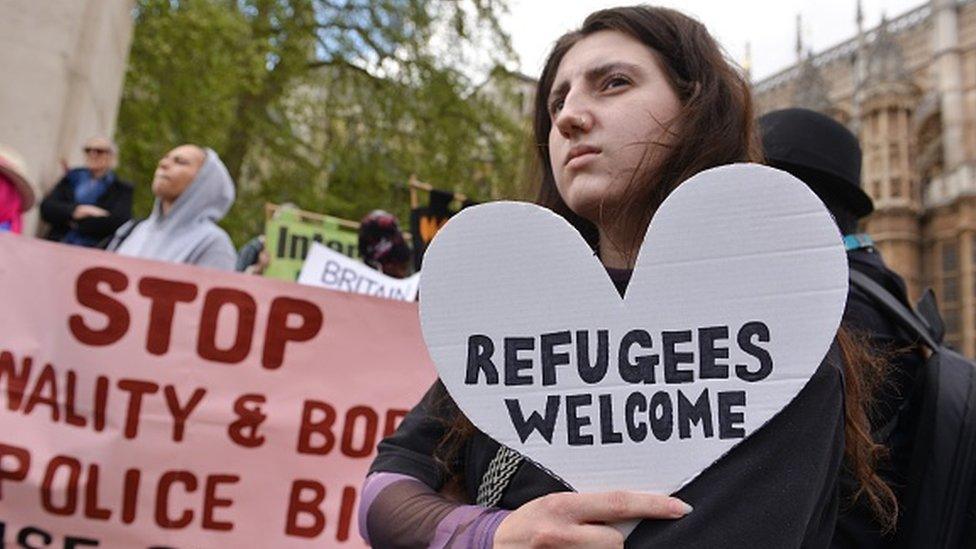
{"points": [[827, 157]]}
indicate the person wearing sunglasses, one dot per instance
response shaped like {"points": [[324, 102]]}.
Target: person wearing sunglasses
{"points": [[90, 202]]}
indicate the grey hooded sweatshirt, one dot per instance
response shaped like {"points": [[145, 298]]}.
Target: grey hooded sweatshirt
{"points": [[188, 233]]}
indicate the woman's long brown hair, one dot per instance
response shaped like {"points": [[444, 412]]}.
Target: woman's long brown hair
{"points": [[716, 126]]}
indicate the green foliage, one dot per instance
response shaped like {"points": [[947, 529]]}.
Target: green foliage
{"points": [[187, 66], [331, 105]]}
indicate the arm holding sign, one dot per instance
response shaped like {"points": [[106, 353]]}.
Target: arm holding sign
{"points": [[414, 515], [567, 519], [417, 516], [404, 504], [401, 504]]}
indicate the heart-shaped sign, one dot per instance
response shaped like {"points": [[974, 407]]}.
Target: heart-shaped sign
{"points": [[737, 293]]}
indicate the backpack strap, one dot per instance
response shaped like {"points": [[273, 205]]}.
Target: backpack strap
{"points": [[929, 311], [908, 318], [112, 242], [939, 500]]}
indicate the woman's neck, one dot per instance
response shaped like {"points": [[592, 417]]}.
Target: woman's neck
{"points": [[613, 255]]}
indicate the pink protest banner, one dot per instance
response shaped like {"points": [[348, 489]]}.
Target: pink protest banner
{"points": [[148, 404]]}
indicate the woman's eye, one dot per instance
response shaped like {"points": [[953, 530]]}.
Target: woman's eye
{"points": [[615, 82], [556, 106]]}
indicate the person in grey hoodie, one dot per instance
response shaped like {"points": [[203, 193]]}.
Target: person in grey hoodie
{"points": [[193, 191]]}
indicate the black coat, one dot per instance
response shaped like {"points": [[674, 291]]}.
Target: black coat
{"points": [[778, 488], [895, 409], [58, 207]]}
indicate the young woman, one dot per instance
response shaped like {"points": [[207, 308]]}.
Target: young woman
{"points": [[193, 192], [635, 102]]}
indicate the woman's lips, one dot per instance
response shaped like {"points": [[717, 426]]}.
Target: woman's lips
{"points": [[580, 155]]}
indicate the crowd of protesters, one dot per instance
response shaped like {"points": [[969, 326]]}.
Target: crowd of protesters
{"points": [[835, 462], [91, 206]]}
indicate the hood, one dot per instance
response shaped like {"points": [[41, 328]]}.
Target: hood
{"points": [[208, 197], [190, 228]]}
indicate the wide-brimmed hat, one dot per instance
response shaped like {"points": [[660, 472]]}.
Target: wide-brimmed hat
{"points": [[13, 167], [819, 144]]}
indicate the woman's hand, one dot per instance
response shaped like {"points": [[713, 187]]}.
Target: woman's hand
{"points": [[568, 519]]}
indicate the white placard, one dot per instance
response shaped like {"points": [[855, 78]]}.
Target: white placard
{"points": [[329, 269], [737, 293]]}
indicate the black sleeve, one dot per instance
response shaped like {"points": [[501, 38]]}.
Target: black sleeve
{"points": [[248, 254], [410, 450], [892, 414], [777, 488], [59, 205], [118, 203]]}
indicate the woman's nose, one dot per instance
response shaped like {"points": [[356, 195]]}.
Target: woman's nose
{"points": [[573, 117]]}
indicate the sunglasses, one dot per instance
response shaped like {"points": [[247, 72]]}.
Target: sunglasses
{"points": [[96, 151]]}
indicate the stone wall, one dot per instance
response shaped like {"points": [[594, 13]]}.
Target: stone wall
{"points": [[63, 68]]}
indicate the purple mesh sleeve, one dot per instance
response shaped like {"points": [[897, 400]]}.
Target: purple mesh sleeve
{"points": [[398, 511], [468, 526]]}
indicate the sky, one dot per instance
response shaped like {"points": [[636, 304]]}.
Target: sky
{"points": [[769, 25]]}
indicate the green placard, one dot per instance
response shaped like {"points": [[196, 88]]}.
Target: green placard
{"points": [[288, 238]]}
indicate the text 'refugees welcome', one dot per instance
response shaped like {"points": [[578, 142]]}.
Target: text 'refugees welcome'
{"points": [[669, 361]]}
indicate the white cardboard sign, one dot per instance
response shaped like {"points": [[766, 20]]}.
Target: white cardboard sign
{"points": [[329, 269], [737, 293]]}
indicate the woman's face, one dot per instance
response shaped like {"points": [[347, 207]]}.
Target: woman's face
{"points": [[610, 102], [176, 171]]}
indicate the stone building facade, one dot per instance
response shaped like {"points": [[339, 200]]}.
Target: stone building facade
{"points": [[907, 88], [63, 67]]}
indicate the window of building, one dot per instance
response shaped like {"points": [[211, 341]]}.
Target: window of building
{"points": [[952, 325], [894, 155], [950, 298], [950, 257]]}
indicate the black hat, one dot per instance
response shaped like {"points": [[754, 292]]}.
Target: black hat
{"points": [[827, 154]]}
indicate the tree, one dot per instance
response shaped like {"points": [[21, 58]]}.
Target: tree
{"points": [[330, 104]]}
